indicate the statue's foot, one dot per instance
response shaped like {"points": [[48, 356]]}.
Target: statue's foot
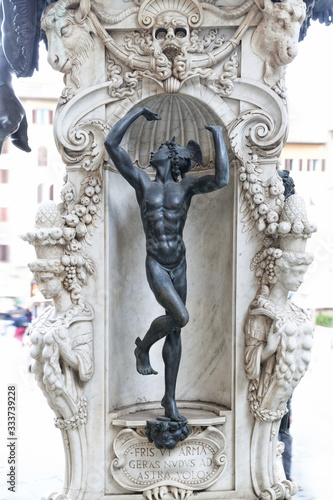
{"points": [[171, 410], [143, 365]]}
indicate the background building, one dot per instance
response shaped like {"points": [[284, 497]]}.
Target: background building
{"points": [[309, 155], [27, 179]]}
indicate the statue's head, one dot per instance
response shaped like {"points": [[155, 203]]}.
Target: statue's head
{"points": [[50, 280], [279, 30], [290, 269], [60, 266], [181, 157]]}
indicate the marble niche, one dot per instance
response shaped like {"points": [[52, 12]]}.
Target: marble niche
{"points": [[246, 346]]}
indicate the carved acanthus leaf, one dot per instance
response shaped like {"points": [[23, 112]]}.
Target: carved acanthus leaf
{"points": [[208, 42], [254, 135], [224, 84], [121, 87], [77, 420]]}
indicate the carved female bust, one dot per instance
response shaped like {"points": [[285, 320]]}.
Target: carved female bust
{"points": [[62, 337], [278, 337], [278, 332], [62, 342]]}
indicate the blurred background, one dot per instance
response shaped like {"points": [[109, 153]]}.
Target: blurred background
{"points": [[28, 179]]}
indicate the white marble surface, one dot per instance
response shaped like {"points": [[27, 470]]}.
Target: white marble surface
{"points": [[219, 245], [209, 239]]}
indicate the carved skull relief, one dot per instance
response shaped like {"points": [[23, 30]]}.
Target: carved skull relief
{"points": [[171, 32]]}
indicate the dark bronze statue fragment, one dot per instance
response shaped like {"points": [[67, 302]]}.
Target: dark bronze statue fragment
{"points": [[19, 40], [164, 203]]}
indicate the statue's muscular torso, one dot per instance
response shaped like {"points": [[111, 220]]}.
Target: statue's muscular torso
{"points": [[164, 210]]}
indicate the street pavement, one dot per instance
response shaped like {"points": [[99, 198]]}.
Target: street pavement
{"points": [[312, 428], [39, 450]]}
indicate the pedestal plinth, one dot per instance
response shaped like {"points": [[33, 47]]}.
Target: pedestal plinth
{"points": [[194, 63]]}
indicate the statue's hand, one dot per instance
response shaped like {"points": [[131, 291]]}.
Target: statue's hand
{"points": [[213, 128], [150, 115], [273, 338], [13, 121]]}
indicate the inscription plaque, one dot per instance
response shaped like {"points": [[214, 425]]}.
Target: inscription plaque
{"points": [[194, 464]]}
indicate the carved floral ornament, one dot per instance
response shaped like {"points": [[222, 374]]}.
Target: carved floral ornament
{"points": [[168, 50]]}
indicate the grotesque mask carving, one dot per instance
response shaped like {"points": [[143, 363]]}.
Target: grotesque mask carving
{"points": [[276, 39], [171, 32], [70, 42]]}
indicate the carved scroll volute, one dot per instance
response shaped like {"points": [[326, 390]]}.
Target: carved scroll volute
{"points": [[84, 147], [74, 47]]}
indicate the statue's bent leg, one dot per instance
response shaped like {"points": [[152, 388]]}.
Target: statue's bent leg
{"points": [[176, 316]]}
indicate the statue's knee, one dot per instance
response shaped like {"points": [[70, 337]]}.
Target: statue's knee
{"points": [[183, 318]]}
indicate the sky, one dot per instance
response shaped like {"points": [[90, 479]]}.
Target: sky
{"points": [[309, 81]]}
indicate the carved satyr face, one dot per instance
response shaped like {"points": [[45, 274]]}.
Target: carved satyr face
{"points": [[276, 38], [171, 32], [50, 284], [69, 43]]}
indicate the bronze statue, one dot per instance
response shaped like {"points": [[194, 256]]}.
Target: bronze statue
{"points": [[164, 203]]}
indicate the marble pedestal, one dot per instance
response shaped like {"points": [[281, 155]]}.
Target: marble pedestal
{"points": [[227, 69]]}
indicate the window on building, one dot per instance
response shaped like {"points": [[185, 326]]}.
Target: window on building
{"points": [[34, 288], [51, 197], [42, 116], [300, 165], [323, 165], [3, 176], [42, 156], [312, 165], [4, 253], [288, 164], [3, 214], [41, 193]]}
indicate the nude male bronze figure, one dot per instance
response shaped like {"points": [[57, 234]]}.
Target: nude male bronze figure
{"points": [[164, 203]]}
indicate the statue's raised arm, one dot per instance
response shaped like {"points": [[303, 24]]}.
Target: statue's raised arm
{"points": [[208, 183], [118, 155]]}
